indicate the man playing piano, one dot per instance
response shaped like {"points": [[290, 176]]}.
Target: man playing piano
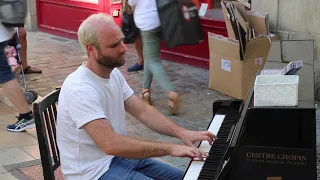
{"points": [[91, 127]]}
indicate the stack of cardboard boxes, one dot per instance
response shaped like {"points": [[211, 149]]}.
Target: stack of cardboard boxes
{"points": [[235, 60]]}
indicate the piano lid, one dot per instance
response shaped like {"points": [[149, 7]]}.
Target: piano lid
{"points": [[243, 110]]}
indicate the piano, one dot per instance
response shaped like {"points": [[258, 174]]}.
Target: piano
{"points": [[258, 143]]}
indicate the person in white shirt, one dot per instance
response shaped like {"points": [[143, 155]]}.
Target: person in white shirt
{"points": [[91, 127], [11, 86], [146, 18]]}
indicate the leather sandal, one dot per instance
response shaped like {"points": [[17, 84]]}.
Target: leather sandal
{"points": [[146, 98], [174, 105], [31, 70]]}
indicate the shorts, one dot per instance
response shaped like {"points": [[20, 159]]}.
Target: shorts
{"points": [[6, 74]]}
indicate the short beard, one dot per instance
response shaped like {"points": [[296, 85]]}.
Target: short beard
{"points": [[107, 61]]}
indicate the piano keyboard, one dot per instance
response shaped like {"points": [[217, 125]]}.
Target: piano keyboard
{"points": [[196, 166], [211, 167]]}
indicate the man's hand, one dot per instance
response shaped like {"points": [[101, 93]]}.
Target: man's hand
{"points": [[185, 151], [190, 137]]}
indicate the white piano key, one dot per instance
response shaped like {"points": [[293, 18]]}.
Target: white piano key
{"points": [[213, 128], [196, 166], [194, 170]]}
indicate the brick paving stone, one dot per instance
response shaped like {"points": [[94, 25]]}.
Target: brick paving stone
{"points": [[58, 57]]}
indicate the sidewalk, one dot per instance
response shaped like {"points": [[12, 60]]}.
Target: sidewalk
{"points": [[58, 57]]}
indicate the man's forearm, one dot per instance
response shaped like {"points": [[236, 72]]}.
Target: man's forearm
{"points": [[127, 147], [152, 118], [158, 122]]}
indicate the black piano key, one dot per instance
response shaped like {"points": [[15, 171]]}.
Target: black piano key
{"points": [[218, 145], [214, 162]]}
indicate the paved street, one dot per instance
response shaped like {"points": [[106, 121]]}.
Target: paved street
{"points": [[58, 57]]}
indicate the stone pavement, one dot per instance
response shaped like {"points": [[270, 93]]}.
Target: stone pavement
{"points": [[58, 57]]}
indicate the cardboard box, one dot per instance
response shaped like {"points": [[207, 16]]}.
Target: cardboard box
{"points": [[239, 13], [230, 75], [259, 22], [242, 24]]}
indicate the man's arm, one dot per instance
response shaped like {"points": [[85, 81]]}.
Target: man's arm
{"points": [[152, 118], [85, 109], [156, 121], [112, 143]]}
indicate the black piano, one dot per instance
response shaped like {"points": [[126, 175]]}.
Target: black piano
{"points": [[259, 143]]}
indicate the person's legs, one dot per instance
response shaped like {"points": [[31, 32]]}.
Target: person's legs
{"points": [[15, 94], [146, 169], [138, 66], [157, 170], [121, 169], [147, 76], [138, 45], [152, 66], [23, 53], [151, 54]]}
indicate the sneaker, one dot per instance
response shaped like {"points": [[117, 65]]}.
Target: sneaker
{"points": [[21, 125], [135, 67]]}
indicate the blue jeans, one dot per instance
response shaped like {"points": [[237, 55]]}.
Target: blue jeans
{"points": [[5, 70], [142, 169]]}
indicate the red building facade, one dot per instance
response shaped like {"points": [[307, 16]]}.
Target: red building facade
{"points": [[63, 17]]}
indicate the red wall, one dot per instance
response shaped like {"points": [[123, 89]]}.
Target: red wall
{"points": [[63, 17]]}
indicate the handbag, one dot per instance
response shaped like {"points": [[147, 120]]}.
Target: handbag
{"points": [[180, 23], [128, 27], [13, 12]]}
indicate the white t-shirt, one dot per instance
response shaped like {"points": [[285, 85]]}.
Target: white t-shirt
{"points": [[146, 15], [85, 97], [6, 33]]}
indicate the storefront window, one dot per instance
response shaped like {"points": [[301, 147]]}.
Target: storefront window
{"points": [[214, 9]]}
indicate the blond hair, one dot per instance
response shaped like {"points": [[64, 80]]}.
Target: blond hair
{"points": [[87, 31]]}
